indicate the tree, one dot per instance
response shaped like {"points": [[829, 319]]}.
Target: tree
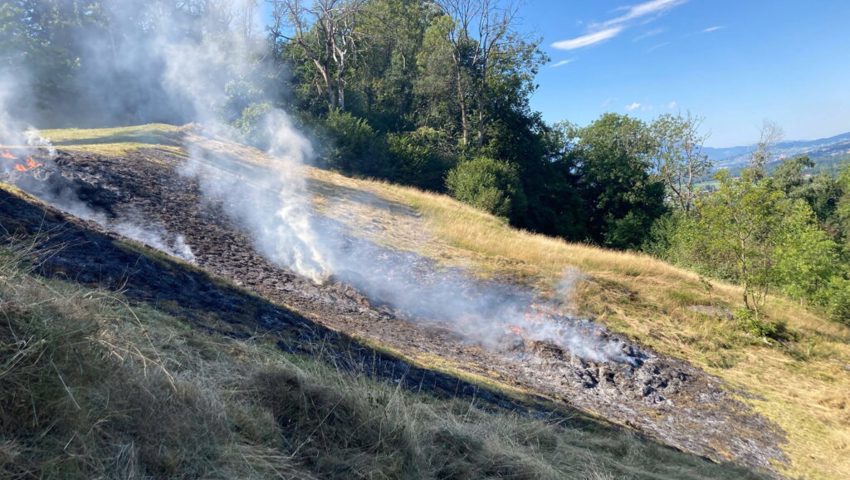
{"points": [[421, 158], [612, 158], [324, 31], [482, 39], [821, 192], [680, 162], [771, 134], [806, 257], [488, 184], [789, 176], [381, 88], [748, 231], [353, 141], [437, 104]]}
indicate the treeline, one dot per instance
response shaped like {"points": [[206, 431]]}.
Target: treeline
{"points": [[788, 232], [435, 94]]}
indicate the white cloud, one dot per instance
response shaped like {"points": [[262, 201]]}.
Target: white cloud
{"points": [[672, 105], [613, 27], [562, 63], [714, 28], [588, 40], [632, 106], [643, 9]]}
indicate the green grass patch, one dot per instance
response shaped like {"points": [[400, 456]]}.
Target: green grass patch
{"points": [[119, 140]]}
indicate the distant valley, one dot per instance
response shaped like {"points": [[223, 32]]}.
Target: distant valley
{"points": [[824, 151]]}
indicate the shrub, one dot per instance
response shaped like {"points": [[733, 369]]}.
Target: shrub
{"points": [[488, 184], [758, 326], [251, 123], [839, 304], [353, 141], [421, 157]]}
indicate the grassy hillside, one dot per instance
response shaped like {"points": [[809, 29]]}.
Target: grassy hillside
{"points": [[802, 384], [96, 386]]}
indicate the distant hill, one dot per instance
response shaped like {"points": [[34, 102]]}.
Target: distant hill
{"points": [[822, 151]]}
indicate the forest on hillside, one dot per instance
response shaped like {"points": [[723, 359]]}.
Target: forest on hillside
{"points": [[435, 94]]}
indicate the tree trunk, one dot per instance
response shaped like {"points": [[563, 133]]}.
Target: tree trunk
{"points": [[461, 99], [340, 86], [480, 137]]}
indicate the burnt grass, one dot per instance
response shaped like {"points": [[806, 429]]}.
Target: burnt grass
{"points": [[233, 290]]}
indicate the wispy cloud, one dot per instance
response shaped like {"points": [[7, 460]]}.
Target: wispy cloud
{"points": [[650, 33], [613, 27], [656, 47], [714, 28], [588, 40], [652, 7], [632, 106], [562, 63]]}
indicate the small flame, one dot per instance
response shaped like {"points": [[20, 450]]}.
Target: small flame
{"points": [[7, 155], [30, 165], [516, 329]]}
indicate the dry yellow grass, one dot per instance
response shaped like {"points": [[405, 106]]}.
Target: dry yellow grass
{"points": [[116, 141], [803, 387]]}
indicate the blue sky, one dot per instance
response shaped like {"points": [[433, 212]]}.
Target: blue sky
{"points": [[736, 63]]}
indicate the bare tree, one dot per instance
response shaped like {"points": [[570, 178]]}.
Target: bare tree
{"points": [[482, 30], [324, 32], [680, 162], [771, 134]]}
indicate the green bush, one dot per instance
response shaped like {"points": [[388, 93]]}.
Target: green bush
{"points": [[353, 143], [421, 157], [839, 304], [488, 184], [251, 123], [758, 326]]}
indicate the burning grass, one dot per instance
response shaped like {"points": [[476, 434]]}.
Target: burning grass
{"points": [[798, 383], [94, 387]]}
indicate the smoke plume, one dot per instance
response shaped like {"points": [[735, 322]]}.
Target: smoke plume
{"points": [[199, 66]]}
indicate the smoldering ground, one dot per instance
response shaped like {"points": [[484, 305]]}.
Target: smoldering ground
{"points": [[147, 63]]}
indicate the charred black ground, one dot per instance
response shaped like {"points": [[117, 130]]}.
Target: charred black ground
{"points": [[664, 398]]}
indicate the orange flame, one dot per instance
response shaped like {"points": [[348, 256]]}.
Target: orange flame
{"points": [[7, 155], [516, 329], [30, 165]]}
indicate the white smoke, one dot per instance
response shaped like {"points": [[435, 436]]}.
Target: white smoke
{"points": [[20, 141], [271, 201], [195, 73]]}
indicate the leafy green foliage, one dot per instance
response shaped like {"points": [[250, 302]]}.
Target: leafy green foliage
{"points": [[353, 141], [738, 232], [488, 184], [613, 160], [250, 122], [680, 162], [757, 326], [762, 233], [422, 157], [839, 300]]}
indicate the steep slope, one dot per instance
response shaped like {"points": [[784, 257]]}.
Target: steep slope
{"points": [[768, 405], [118, 362], [154, 369]]}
